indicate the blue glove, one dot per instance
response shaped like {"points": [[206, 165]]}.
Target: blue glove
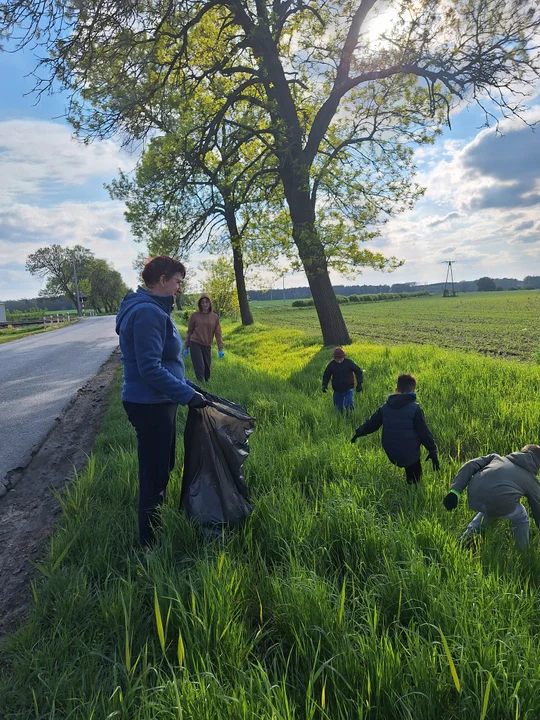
{"points": [[221, 353], [185, 352]]}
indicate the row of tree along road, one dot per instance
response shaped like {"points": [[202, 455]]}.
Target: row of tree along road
{"points": [[100, 286], [286, 127]]}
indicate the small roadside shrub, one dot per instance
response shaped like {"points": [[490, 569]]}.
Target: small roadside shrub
{"points": [[308, 302]]}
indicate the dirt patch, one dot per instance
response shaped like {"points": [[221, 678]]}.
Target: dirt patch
{"points": [[29, 510]]}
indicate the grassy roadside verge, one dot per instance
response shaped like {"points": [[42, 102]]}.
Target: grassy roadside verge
{"points": [[16, 333], [344, 597]]}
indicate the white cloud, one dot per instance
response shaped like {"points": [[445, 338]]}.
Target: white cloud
{"points": [[480, 207], [454, 215], [51, 191], [99, 226], [41, 160], [525, 238]]}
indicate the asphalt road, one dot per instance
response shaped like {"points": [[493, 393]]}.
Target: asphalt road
{"points": [[38, 377]]}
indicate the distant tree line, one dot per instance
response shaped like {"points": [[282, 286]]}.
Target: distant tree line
{"points": [[34, 305], [368, 297], [529, 283]]}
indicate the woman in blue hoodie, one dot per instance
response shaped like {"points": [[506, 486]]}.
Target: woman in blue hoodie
{"points": [[154, 381]]}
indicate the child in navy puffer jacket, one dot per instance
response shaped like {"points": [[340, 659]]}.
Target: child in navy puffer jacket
{"points": [[404, 430]]}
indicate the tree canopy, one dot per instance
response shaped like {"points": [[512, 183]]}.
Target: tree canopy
{"points": [[101, 283], [485, 284], [339, 109]]}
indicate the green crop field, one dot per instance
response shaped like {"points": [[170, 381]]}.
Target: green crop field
{"points": [[498, 323], [344, 597]]}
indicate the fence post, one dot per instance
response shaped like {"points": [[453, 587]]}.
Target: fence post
{"points": [[52, 320], [44, 323]]}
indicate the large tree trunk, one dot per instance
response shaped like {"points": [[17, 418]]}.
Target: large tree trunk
{"points": [[311, 251], [294, 169], [238, 264]]}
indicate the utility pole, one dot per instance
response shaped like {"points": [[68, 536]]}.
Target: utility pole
{"points": [[450, 272], [79, 313]]}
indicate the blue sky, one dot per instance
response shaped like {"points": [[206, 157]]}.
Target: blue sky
{"points": [[481, 206]]}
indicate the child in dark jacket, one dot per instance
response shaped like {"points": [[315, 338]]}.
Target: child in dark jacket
{"points": [[342, 371], [404, 430]]}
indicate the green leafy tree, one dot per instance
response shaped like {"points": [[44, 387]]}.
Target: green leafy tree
{"points": [[179, 198], [219, 284], [532, 282], [312, 69], [55, 263], [486, 284], [98, 281], [106, 287]]}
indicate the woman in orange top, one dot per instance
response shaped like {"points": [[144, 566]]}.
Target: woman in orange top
{"points": [[202, 327]]}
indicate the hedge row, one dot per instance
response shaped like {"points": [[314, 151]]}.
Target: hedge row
{"points": [[374, 297]]}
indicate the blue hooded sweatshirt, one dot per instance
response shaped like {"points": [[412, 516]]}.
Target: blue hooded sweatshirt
{"points": [[151, 351]]}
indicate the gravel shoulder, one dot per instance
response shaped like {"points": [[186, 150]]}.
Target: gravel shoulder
{"points": [[28, 512]]}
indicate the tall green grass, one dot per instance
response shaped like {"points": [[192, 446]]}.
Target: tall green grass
{"points": [[345, 595]]}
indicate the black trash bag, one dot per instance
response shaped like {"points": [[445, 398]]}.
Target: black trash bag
{"points": [[214, 492]]}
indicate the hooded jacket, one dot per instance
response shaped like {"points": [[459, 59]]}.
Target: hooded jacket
{"points": [[203, 326], [342, 375], [151, 351], [496, 484], [404, 429]]}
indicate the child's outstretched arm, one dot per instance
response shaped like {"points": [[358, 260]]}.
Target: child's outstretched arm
{"points": [[424, 433], [463, 478], [371, 425], [426, 437], [469, 469], [326, 377]]}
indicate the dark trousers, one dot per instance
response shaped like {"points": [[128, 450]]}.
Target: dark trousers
{"points": [[155, 425], [413, 473], [201, 357]]}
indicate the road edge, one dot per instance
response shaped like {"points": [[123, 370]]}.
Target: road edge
{"points": [[29, 512]]}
